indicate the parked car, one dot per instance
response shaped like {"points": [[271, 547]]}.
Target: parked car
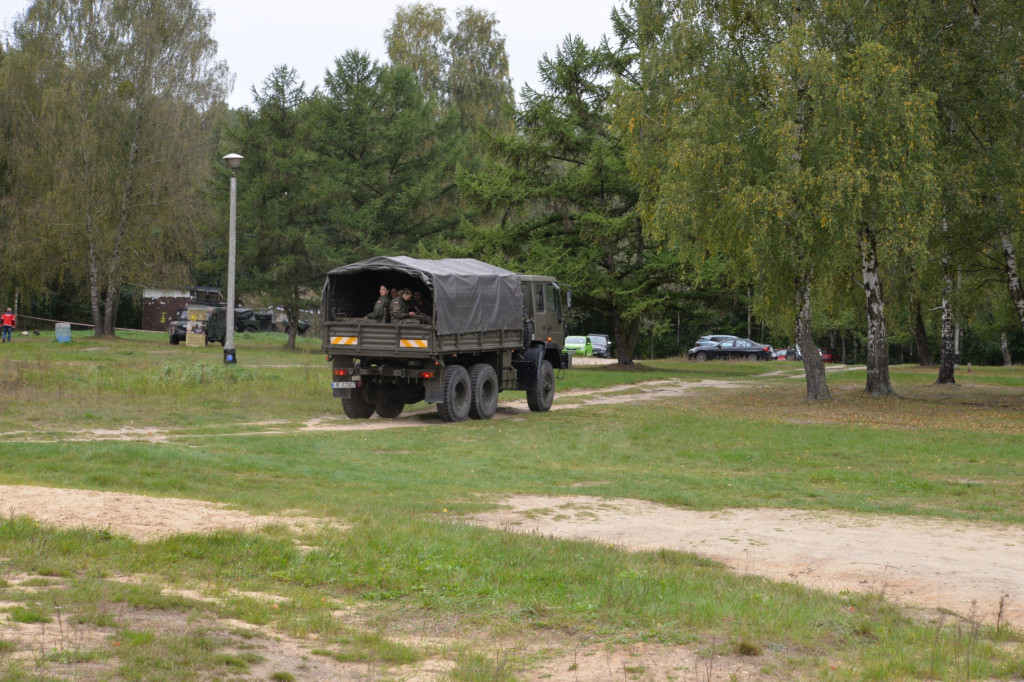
{"points": [[579, 345], [790, 353], [731, 349], [826, 355], [712, 339], [602, 345]]}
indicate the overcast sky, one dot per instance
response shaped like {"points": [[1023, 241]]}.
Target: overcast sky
{"points": [[254, 36]]}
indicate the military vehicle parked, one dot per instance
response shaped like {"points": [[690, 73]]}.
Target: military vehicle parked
{"points": [[267, 321], [207, 320], [489, 330]]}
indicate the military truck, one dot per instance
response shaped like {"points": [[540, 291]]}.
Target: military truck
{"points": [[488, 330]]}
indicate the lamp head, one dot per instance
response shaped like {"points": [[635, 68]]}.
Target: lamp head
{"points": [[233, 161]]}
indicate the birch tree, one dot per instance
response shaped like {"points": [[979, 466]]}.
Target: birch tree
{"points": [[969, 53], [112, 106], [789, 140], [722, 125], [462, 67], [880, 131]]}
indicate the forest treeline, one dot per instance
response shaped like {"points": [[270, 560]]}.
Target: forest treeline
{"points": [[814, 172]]}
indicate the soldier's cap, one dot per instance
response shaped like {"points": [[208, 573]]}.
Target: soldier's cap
{"points": [[407, 291]]}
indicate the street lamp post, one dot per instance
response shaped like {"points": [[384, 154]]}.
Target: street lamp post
{"points": [[230, 357]]}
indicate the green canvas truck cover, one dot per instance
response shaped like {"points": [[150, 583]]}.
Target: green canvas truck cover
{"points": [[469, 295]]}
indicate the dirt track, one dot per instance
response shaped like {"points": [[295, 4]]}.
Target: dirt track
{"points": [[974, 570]]}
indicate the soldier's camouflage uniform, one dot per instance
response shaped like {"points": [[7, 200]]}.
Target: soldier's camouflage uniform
{"points": [[380, 309]]}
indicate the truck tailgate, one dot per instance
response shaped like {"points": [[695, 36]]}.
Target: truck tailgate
{"points": [[364, 339]]}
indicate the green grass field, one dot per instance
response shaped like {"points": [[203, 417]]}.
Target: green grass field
{"points": [[405, 576]]}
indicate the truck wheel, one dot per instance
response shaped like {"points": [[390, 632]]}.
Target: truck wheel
{"points": [[174, 340], [457, 392], [389, 407], [484, 383], [541, 393], [357, 406]]}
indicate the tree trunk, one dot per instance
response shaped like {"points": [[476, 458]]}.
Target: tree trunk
{"points": [[113, 297], [626, 336], [947, 359], [94, 281], [750, 330], [924, 353], [1013, 276], [1004, 345], [814, 368], [878, 346]]}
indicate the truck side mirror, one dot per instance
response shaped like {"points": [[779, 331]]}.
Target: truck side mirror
{"points": [[568, 297]]}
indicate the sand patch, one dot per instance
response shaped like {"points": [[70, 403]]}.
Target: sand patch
{"points": [[973, 569], [137, 516]]}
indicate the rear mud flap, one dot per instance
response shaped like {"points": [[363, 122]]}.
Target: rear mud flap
{"points": [[433, 389]]}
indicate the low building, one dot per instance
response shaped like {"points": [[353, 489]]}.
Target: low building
{"points": [[160, 305]]}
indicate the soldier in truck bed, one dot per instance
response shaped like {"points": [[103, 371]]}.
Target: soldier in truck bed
{"points": [[418, 307], [399, 306], [381, 307], [401, 309], [417, 304]]}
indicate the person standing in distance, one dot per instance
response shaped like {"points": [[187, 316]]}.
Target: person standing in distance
{"points": [[7, 322]]}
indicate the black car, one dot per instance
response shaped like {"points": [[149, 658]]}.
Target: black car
{"points": [[731, 349], [712, 339], [602, 346]]}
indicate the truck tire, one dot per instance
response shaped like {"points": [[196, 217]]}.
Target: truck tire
{"points": [[457, 394], [174, 340], [357, 407], [484, 383], [389, 407], [527, 333], [541, 393]]}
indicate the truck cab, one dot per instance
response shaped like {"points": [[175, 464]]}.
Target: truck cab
{"points": [[543, 299]]}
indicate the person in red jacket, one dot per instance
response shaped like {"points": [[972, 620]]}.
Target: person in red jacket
{"points": [[7, 321]]}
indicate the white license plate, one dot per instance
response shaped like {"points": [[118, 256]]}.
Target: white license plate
{"points": [[343, 384]]}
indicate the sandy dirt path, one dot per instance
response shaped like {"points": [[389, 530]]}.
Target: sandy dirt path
{"points": [[975, 570]]}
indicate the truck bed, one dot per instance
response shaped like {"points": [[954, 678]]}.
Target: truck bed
{"points": [[364, 338]]}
